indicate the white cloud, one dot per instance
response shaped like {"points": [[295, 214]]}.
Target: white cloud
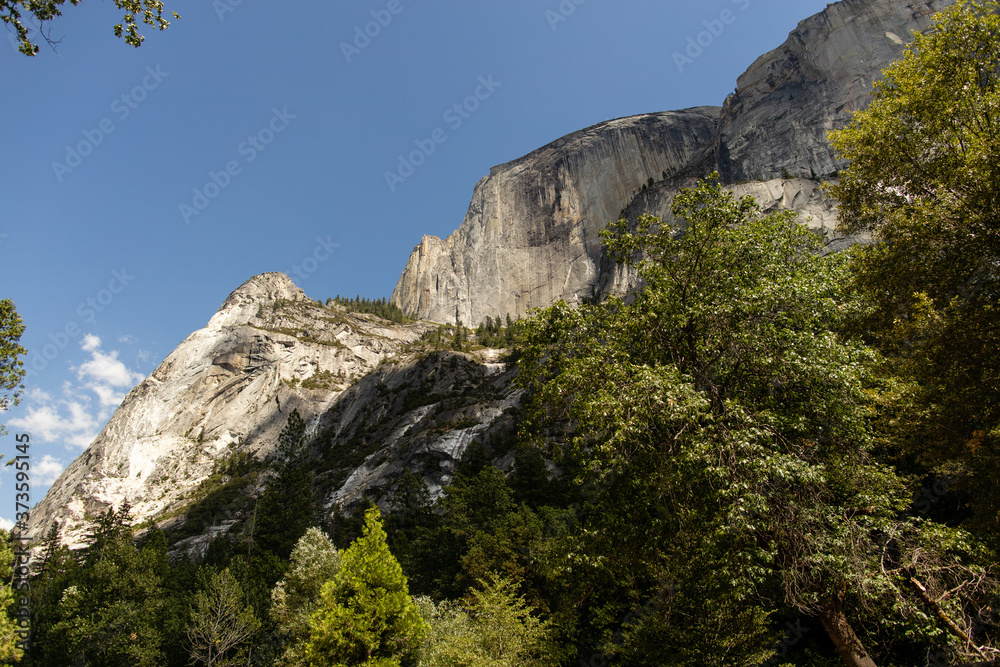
{"points": [[49, 422], [74, 419], [90, 342], [108, 370], [6, 524], [47, 470], [39, 395], [127, 339]]}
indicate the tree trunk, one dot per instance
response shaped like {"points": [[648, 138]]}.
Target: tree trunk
{"points": [[842, 635]]}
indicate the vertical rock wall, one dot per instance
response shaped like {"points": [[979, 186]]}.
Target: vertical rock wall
{"points": [[530, 235]]}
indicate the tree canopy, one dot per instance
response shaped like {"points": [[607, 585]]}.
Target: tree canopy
{"points": [[923, 179], [366, 616], [727, 414], [15, 12], [11, 365]]}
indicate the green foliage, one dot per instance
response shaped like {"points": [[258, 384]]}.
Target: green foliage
{"points": [[498, 629], [727, 420], [322, 379], [109, 613], [10, 650], [366, 616], [378, 307], [924, 180], [459, 342], [494, 333], [11, 366], [220, 495], [314, 561], [43, 11], [221, 623], [292, 438], [285, 509]]}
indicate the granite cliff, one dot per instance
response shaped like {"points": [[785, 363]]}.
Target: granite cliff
{"points": [[530, 235], [228, 387]]}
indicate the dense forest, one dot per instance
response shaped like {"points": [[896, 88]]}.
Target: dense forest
{"points": [[768, 455]]}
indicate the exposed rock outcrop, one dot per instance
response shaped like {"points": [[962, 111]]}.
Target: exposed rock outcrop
{"points": [[227, 387], [776, 122], [530, 235]]}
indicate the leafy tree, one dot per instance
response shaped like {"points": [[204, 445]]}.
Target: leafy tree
{"points": [[11, 366], [221, 623], [43, 11], [924, 180], [498, 628], [314, 561], [366, 616], [10, 650], [727, 418]]}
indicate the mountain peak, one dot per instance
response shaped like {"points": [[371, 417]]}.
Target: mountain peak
{"points": [[262, 289]]}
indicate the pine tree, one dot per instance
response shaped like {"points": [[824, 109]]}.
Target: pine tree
{"points": [[366, 617]]}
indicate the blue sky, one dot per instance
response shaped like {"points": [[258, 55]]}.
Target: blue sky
{"points": [[141, 186]]}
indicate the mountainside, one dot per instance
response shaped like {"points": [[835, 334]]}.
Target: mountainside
{"points": [[530, 235], [380, 399], [227, 387]]}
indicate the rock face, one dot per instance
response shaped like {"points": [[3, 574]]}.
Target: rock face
{"points": [[228, 387], [530, 235], [785, 103]]}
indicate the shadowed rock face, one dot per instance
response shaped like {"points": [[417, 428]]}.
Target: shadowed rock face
{"points": [[530, 235], [776, 122]]}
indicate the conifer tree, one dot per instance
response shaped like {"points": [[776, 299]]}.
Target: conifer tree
{"points": [[366, 616]]}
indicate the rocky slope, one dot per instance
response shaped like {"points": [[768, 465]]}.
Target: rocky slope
{"points": [[530, 235], [228, 387], [785, 103]]}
